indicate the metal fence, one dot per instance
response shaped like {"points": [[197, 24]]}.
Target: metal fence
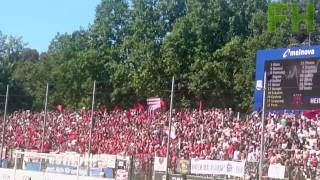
{"points": [[116, 167], [142, 169]]}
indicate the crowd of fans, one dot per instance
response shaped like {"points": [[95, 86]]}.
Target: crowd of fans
{"points": [[216, 134]]}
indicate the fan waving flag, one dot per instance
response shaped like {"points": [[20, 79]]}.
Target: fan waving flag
{"points": [[138, 107], [154, 104]]}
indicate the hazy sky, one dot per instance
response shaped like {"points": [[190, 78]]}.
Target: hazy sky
{"points": [[38, 21]]}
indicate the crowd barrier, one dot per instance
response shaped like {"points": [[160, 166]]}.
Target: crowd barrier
{"points": [[65, 166], [36, 166], [11, 174], [195, 169]]}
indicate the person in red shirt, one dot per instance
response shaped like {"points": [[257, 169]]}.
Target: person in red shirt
{"points": [[230, 151], [314, 160]]}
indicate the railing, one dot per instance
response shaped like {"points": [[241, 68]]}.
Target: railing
{"points": [[72, 166], [41, 166], [250, 172]]}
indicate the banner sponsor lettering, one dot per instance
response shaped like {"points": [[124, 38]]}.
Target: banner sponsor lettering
{"points": [[183, 166], [11, 174], [6, 174], [105, 160], [122, 174], [162, 176], [200, 178], [213, 167]]}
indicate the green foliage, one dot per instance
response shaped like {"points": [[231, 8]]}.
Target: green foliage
{"points": [[277, 13], [133, 49], [307, 17]]}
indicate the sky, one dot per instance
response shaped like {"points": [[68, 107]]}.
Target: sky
{"points": [[38, 21]]}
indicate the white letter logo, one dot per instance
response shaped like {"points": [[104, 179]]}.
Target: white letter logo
{"points": [[298, 52], [285, 54]]}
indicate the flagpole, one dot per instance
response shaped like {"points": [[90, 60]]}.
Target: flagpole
{"points": [[169, 134], [91, 119], [262, 126], [4, 124], [45, 119]]}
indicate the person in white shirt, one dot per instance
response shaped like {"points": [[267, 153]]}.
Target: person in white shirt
{"points": [[252, 157], [236, 155]]}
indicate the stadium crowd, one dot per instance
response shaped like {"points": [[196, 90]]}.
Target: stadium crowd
{"points": [[209, 134]]}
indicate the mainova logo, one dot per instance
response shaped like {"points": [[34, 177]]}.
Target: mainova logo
{"points": [[299, 52]]}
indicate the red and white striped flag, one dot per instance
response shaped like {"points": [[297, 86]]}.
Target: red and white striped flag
{"points": [[154, 104]]}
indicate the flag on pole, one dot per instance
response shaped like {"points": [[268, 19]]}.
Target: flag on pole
{"points": [[154, 104]]}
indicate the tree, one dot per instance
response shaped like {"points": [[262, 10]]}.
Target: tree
{"points": [[133, 49], [11, 49], [31, 55], [110, 28]]}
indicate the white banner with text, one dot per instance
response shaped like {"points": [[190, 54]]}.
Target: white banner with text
{"points": [[212, 167]]}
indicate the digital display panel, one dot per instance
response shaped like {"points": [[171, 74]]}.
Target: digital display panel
{"points": [[293, 84]]}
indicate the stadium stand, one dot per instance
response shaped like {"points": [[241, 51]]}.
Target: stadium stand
{"points": [[211, 134], [214, 134]]}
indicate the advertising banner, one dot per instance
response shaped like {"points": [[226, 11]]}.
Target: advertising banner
{"points": [[183, 166], [213, 167], [122, 174], [162, 176], [292, 81], [160, 163], [105, 160], [276, 171], [10, 174]]}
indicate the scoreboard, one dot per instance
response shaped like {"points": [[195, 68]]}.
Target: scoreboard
{"points": [[293, 81], [293, 84]]}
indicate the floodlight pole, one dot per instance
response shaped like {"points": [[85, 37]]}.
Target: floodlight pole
{"points": [[4, 124], [262, 126], [169, 133], [45, 119], [91, 121]]}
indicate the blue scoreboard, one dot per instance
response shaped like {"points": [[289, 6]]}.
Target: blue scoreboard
{"points": [[294, 79]]}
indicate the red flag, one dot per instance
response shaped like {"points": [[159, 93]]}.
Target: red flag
{"points": [[154, 104], [162, 104], [311, 114], [128, 114], [138, 107], [116, 108], [59, 107]]}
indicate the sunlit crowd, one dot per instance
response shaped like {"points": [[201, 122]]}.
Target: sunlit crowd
{"points": [[217, 134]]}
